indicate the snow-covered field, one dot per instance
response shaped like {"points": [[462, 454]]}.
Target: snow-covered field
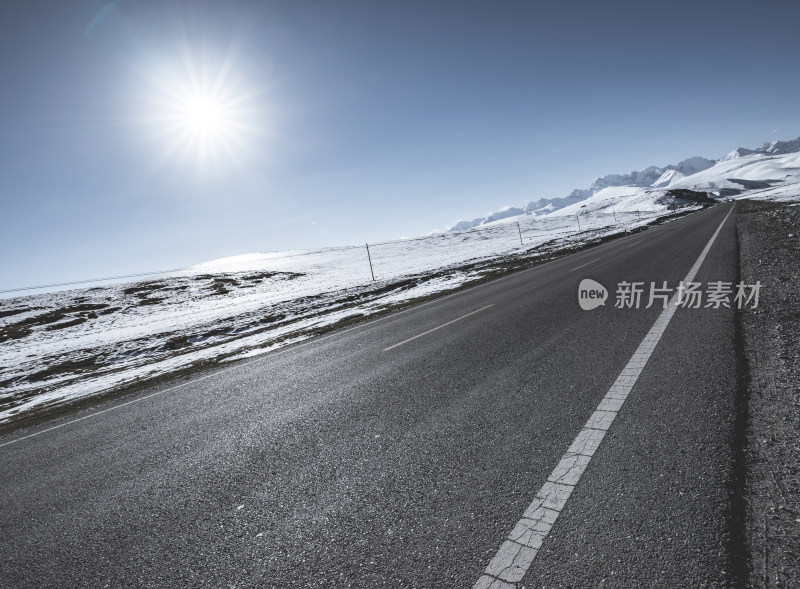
{"points": [[57, 347]]}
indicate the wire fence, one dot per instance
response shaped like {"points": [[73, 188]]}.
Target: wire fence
{"points": [[386, 259], [391, 258]]}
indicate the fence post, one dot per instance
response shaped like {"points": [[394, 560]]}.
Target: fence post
{"points": [[520, 234], [370, 263]]}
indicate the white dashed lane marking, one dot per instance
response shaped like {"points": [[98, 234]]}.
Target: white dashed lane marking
{"points": [[518, 551], [437, 328], [586, 264]]}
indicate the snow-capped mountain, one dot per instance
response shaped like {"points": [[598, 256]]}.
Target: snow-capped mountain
{"points": [[779, 147], [741, 169], [737, 153], [774, 148]]}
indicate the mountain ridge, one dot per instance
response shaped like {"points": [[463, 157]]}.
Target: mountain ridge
{"points": [[652, 176]]}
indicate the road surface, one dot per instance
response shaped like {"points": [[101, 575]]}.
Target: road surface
{"points": [[402, 452]]}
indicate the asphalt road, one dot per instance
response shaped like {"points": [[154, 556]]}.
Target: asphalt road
{"points": [[341, 463]]}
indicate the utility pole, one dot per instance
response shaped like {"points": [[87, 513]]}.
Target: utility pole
{"points": [[370, 263], [520, 234], [578, 218], [615, 215]]}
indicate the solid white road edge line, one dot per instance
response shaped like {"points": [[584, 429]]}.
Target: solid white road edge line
{"points": [[436, 328], [517, 552]]}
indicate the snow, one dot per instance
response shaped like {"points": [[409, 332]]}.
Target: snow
{"points": [[651, 176], [619, 199], [694, 173], [772, 168], [778, 169], [737, 153], [748, 176], [667, 178], [780, 147]]}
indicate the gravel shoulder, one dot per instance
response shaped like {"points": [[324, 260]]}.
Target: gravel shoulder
{"points": [[769, 252]]}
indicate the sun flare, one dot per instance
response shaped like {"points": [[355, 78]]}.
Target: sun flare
{"points": [[201, 112]]}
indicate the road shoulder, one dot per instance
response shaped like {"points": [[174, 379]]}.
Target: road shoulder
{"points": [[769, 248]]}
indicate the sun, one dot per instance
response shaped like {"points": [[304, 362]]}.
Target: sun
{"points": [[201, 111], [205, 115], [204, 119], [203, 123]]}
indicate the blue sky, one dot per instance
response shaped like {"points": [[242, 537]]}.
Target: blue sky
{"points": [[347, 122]]}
